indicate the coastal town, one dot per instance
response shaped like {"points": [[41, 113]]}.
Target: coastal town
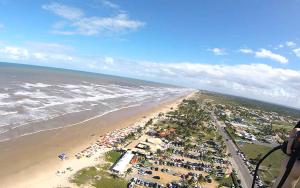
{"points": [[200, 143]]}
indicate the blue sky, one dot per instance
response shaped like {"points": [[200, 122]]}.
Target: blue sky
{"points": [[247, 48]]}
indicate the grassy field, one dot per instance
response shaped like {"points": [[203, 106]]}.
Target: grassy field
{"points": [[112, 156], [278, 125], [271, 166], [226, 182], [98, 177]]}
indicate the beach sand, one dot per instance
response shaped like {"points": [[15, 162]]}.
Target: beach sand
{"points": [[31, 161]]}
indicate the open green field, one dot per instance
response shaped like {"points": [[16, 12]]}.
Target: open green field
{"points": [[226, 182], [271, 166], [281, 125], [112, 156], [98, 177]]}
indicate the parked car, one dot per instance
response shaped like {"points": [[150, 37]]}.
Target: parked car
{"points": [[149, 172]]}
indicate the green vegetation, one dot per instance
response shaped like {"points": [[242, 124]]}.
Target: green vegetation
{"points": [[85, 175], [112, 156], [232, 134], [271, 166], [250, 103], [98, 177], [279, 126], [110, 182], [226, 182]]}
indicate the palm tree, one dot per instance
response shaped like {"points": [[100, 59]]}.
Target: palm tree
{"points": [[128, 171]]}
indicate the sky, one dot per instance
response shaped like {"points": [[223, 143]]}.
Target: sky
{"points": [[249, 48]]}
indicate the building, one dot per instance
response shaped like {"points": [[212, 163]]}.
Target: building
{"points": [[121, 166]]}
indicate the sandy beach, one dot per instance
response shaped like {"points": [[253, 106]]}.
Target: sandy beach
{"points": [[31, 161]]}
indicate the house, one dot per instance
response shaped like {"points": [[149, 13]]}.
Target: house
{"points": [[167, 132]]}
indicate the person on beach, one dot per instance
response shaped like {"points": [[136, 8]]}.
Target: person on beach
{"points": [[294, 176]]}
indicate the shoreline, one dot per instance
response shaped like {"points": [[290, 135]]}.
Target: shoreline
{"points": [[36, 154], [70, 125]]}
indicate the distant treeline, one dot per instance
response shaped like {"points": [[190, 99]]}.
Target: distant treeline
{"points": [[251, 103]]}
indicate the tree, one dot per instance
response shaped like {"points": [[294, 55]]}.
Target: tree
{"points": [[191, 181], [128, 171], [200, 180], [114, 176]]}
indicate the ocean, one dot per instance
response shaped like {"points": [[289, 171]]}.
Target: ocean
{"points": [[34, 99]]}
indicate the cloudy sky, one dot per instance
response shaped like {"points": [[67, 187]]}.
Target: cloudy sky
{"points": [[246, 48]]}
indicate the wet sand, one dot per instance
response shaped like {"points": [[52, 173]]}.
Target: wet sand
{"points": [[33, 157]]}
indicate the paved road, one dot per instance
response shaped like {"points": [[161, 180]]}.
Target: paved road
{"points": [[237, 162]]}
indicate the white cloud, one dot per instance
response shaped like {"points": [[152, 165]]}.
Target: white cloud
{"points": [[109, 4], [218, 51], [64, 11], [297, 52], [77, 23], [257, 81], [109, 60], [96, 25], [39, 56], [15, 53], [290, 43], [263, 53], [246, 51], [28, 53]]}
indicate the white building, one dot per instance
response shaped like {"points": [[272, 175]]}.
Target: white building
{"points": [[121, 165]]}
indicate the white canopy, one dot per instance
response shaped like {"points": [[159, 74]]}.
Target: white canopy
{"points": [[120, 167]]}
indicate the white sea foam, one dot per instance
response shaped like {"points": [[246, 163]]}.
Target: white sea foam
{"points": [[34, 85], [69, 125], [4, 113], [4, 96], [35, 102]]}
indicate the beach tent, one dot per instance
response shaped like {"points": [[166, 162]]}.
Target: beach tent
{"points": [[121, 165], [62, 156]]}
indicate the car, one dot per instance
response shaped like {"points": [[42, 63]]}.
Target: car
{"points": [[134, 180], [130, 185], [156, 177], [148, 172]]}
